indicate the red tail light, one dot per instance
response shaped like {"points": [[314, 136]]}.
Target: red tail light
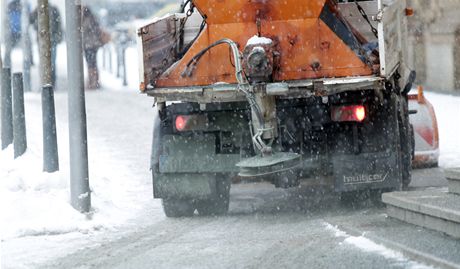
{"points": [[191, 122], [181, 122], [348, 113]]}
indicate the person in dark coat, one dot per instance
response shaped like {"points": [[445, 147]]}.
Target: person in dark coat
{"points": [[14, 17], [92, 41], [56, 34]]}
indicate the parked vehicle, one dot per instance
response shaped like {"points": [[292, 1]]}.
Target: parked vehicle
{"points": [[284, 91], [426, 135]]}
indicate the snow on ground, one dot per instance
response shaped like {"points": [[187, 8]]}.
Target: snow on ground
{"points": [[368, 245], [447, 108], [37, 203]]}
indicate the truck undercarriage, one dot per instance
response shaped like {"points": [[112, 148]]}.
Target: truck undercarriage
{"points": [[196, 164]]}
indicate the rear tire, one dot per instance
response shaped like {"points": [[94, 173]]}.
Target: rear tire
{"points": [[219, 204], [406, 132], [176, 208]]}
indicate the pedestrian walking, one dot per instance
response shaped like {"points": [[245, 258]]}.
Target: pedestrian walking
{"points": [[14, 17], [94, 37]]}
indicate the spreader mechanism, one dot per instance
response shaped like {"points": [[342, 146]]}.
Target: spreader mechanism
{"points": [[253, 70], [258, 65]]}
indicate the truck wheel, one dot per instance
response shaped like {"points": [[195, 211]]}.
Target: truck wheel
{"points": [[406, 166], [219, 204], [176, 208]]}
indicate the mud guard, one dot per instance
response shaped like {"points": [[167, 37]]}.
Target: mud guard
{"points": [[185, 186], [156, 142], [185, 167], [366, 171]]}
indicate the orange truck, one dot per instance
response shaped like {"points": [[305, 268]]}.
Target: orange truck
{"points": [[287, 91]]}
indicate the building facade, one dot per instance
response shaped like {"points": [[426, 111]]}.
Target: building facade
{"points": [[435, 43]]}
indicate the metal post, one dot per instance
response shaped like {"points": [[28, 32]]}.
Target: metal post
{"points": [[110, 60], [123, 65], [19, 118], [50, 147], [44, 41], [7, 109], [4, 20], [26, 45], [50, 150], [2, 28], [6, 33], [1, 61], [119, 60], [104, 57], [80, 194]]}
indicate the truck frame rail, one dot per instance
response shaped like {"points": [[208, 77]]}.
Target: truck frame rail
{"points": [[290, 89]]}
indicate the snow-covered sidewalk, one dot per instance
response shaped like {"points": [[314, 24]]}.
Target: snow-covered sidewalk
{"points": [[36, 203]]}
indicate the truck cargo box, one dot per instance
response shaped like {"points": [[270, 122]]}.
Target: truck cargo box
{"points": [[161, 47]]}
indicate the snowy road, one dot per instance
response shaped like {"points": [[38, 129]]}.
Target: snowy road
{"points": [[269, 228], [266, 228]]}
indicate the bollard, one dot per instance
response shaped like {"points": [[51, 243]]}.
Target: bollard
{"points": [[7, 109], [19, 119], [26, 46], [110, 60], [5, 33], [8, 46], [123, 65], [27, 78], [50, 147], [104, 57], [119, 60]]}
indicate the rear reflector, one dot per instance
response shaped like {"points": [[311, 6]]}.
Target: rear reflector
{"points": [[348, 113], [191, 122]]}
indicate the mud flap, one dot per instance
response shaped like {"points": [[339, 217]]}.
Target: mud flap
{"points": [[185, 166], [366, 171], [185, 186], [194, 154]]}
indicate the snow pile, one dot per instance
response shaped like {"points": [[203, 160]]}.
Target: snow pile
{"points": [[447, 110], [37, 203], [33, 202], [367, 245]]}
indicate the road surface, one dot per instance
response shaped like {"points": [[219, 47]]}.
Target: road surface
{"points": [[265, 228]]}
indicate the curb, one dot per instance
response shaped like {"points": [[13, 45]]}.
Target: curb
{"points": [[410, 253]]}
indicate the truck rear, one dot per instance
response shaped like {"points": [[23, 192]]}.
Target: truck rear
{"points": [[287, 91]]}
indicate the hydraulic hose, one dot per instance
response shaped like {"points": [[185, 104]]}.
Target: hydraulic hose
{"points": [[243, 84]]}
